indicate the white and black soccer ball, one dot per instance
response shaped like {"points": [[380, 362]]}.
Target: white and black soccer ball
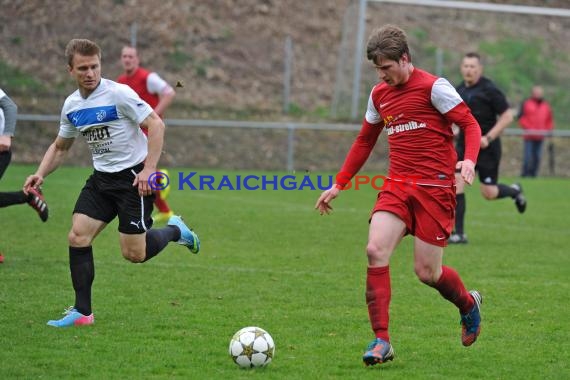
{"points": [[252, 347]]}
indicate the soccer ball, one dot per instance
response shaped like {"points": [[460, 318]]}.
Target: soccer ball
{"points": [[252, 347]]}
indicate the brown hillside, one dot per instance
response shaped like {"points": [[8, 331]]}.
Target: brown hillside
{"points": [[229, 54]]}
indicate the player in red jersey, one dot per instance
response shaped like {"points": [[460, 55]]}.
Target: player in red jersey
{"points": [[417, 110], [158, 94]]}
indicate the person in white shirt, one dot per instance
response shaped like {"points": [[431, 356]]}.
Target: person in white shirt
{"points": [[110, 116]]}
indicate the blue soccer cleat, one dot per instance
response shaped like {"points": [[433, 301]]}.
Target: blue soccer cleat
{"points": [[188, 237], [72, 318], [471, 322], [378, 352]]}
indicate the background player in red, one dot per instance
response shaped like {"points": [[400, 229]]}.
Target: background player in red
{"points": [[491, 109], [417, 110], [158, 94], [535, 114]]}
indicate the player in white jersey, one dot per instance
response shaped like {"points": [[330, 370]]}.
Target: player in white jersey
{"points": [[109, 121], [109, 115]]}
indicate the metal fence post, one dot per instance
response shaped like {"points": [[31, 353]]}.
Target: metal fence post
{"points": [[287, 74], [290, 147], [358, 58], [134, 34], [551, 162], [439, 62]]}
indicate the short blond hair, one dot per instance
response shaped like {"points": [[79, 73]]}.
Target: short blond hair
{"points": [[81, 46]]}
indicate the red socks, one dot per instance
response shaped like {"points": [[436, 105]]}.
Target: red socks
{"points": [[378, 294], [160, 203], [452, 289]]}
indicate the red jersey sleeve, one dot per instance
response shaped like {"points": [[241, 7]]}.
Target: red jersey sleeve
{"points": [[462, 117], [359, 152]]}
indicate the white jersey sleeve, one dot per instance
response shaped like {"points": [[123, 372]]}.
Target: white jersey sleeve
{"points": [[444, 97], [66, 129], [372, 115], [156, 85], [131, 105]]}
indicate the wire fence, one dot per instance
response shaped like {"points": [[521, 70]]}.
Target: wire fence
{"points": [[286, 146]]}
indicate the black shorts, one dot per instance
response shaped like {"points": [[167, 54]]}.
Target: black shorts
{"points": [[5, 158], [106, 195], [487, 166]]}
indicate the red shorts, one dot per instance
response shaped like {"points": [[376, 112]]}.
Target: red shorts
{"points": [[427, 211]]}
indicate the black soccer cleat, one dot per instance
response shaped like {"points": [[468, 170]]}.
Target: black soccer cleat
{"points": [[520, 200], [37, 201]]}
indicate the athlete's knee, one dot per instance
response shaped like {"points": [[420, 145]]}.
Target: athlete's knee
{"points": [[427, 274], [76, 239], [377, 253], [133, 255], [489, 191], [488, 195]]}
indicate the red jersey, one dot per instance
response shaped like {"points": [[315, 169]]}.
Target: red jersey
{"points": [[138, 82], [417, 117], [536, 115]]}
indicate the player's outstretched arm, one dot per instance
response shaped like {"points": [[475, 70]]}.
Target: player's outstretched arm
{"points": [[5, 143], [153, 123], [53, 157], [323, 203], [467, 168], [504, 120], [164, 99]]}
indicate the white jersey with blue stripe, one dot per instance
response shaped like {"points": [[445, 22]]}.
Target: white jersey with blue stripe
{"points": [[109, 120]]}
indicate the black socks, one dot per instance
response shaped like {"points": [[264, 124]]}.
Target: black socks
{"points": [[82, 275], [157, 239], [82, 267], [13, 198], [460, 213], [507, 191]]}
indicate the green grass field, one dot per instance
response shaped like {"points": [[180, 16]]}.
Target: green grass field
{"points": [[268, 259]]}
